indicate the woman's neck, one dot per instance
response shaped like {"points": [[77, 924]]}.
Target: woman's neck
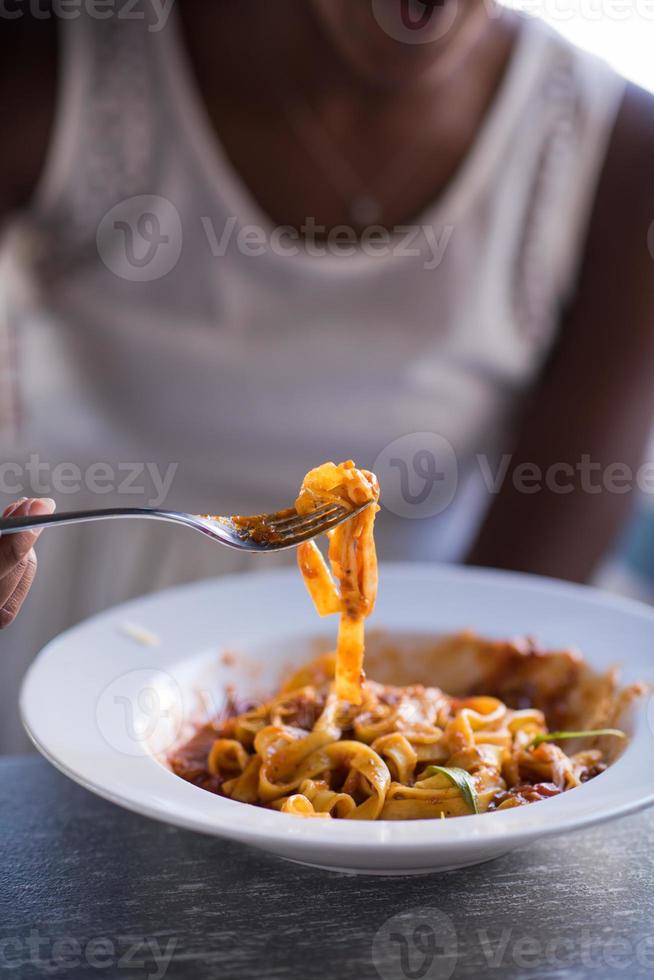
{"points": [[299, 124]]}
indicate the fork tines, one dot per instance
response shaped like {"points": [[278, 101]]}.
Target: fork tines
{"points": [[288, 527], [283, 523], [297, 527]]}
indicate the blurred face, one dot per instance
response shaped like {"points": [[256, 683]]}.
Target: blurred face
{"points": [[393, 42]]}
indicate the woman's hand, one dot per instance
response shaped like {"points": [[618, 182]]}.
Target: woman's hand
{"points": [[17, 559]]}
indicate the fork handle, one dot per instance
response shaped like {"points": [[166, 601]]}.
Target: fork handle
{"points": [[12, 525]]}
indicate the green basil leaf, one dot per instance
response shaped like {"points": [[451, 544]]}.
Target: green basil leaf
{"points": [[459, 778], [555, 736]]}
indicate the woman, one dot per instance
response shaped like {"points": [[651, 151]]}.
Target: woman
{"points": [[250, 239]]}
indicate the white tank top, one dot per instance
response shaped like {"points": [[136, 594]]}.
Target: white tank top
{"points": [[181, 328]]}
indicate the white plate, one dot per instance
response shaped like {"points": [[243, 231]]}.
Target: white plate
{"points": [[101, 706]]}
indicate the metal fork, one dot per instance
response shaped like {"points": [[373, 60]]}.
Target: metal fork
{"points": [[265, 532]]}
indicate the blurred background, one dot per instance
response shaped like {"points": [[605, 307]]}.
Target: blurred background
{"points": [[621, 33]]}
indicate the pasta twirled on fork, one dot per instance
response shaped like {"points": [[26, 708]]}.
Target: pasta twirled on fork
{"points": [[353, 590]]}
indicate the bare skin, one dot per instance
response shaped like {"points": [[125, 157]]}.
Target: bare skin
{"points": [[371, 93], [596, 396], [413, 118]]}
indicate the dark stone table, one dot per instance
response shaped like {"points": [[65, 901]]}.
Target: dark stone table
{"points": [[91, 891]]}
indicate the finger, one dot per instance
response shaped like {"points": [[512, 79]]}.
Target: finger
{"points": [[8, 511], [14, 547], [9, 582], [22, 581]]}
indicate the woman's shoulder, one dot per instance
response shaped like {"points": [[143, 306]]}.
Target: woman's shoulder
{"points": [[624, 225], [613, 124], [625, 204], [633, 141], [619, 252]]}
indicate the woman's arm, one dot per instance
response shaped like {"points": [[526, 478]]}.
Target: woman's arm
{"points": [[592, 412]]}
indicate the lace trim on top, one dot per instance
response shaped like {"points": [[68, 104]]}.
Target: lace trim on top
{"points": [[110, 152]]}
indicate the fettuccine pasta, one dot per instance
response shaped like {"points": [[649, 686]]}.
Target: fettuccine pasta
{"points": [[333, 745], [311, 754]]}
